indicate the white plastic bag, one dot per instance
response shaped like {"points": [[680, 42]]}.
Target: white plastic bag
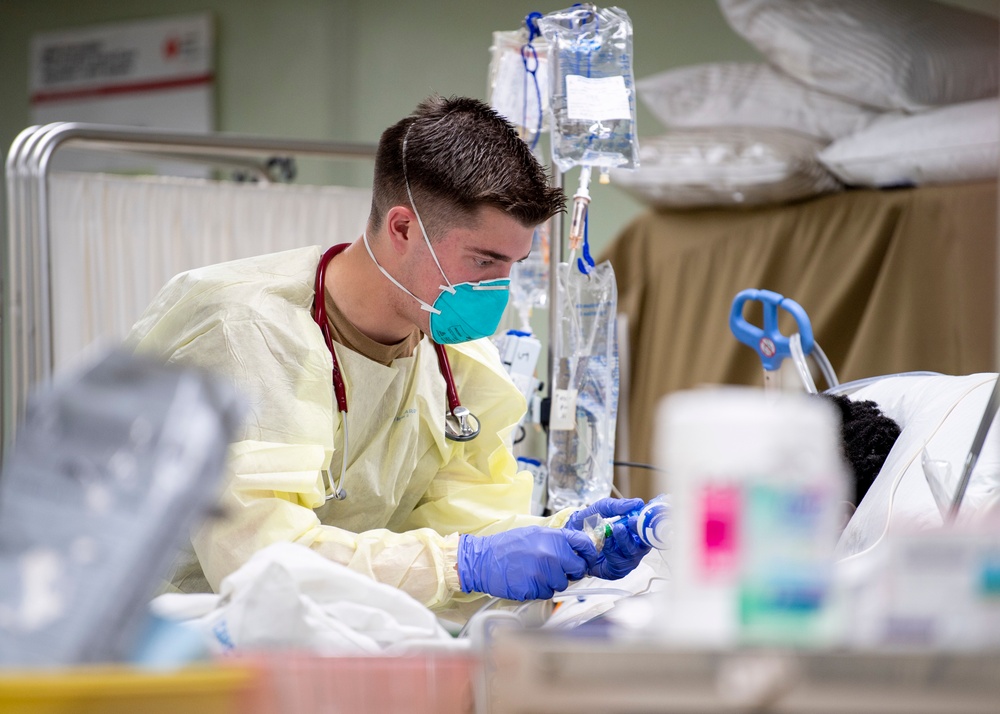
{"points": [[287, 595]]}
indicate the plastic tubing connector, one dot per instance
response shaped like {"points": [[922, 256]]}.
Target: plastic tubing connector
{"points": [[581, 200]]}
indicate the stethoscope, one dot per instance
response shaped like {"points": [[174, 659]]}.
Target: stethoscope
{"points": [[459, 423]]}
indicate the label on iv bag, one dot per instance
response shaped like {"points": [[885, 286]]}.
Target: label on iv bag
{"points": [[596, 98], [563, 415]]}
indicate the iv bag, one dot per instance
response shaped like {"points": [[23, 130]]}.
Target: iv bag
{"points": [[529, 278], [518, 87], [592, 87], [585, 387]]}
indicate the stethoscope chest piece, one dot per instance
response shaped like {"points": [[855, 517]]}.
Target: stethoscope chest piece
{"points": [[460, 424]]}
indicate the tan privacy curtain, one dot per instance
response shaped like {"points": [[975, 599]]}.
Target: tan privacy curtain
{"points": [[893, 281]]}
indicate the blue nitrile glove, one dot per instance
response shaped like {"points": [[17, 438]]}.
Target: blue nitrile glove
{"points": [[623, 551], [524, 563], [606, 508]]}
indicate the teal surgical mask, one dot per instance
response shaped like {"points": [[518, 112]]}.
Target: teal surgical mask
{"points": [[463, 312]]}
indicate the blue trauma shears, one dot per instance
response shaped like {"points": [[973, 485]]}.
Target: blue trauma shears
{"points": [[772, 346]]}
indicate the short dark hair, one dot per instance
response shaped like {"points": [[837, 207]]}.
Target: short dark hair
{"points": [[460, 156]]}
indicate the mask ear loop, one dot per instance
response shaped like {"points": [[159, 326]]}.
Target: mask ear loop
{"points": [[423, 306], [449, 287]]}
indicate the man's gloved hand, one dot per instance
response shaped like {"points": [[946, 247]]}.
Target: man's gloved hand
{"points": [[524, 563], [622, 552], [622, 549], [606, 508]]}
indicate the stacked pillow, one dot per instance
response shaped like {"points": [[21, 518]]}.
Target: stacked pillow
{"points": [[878, 92], [739, 166], [890, 54], [951, 144], [748, 94]]}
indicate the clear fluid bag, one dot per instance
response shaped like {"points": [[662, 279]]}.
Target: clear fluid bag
{"points": [[518, 83], [585, 388], [592, 87], [529, 278]]}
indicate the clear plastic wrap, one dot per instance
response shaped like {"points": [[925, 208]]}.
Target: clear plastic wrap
{"points": [[592, 87]]}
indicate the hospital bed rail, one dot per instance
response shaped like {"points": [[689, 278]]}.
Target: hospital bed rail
{"points": [[26, 320]]}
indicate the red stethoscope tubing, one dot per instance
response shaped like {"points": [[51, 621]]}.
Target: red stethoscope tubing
{"points": [[449, 380], [319, 315]]}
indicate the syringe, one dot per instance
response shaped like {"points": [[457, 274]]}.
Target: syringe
{"points": [[652, 524]]}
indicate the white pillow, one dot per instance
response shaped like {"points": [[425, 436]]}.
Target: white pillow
{"points": [[893, 54], [689, 168], [748, 94], [956, 143], [940, 413]]}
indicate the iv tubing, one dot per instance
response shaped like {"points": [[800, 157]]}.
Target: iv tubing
{"points": [[799, 360], [825, 367], [819, 357], [581, 199]]}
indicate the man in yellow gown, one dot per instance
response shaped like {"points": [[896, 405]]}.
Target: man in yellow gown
{"points": [[443, 520]]}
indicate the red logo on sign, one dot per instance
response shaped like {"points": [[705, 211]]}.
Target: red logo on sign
{"points": [[171, 48], [767, 347]]}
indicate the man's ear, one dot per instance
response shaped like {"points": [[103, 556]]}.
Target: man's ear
{"points": [[403, 231]]}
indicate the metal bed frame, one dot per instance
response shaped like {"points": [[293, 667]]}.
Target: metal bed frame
{"points": [[26, 332], [26, 320]]}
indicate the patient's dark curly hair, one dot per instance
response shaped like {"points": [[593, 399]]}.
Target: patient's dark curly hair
{"points": [[866, 437]]}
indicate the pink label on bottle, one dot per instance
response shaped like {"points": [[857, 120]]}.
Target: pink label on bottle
{"points": [[720, 526]]}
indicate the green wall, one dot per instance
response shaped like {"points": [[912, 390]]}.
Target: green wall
{"points": [[331, 69]]}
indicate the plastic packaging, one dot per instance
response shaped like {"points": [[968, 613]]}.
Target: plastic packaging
{"points": [[757, 482], [592, 87], [116, 461], [585, 387]]}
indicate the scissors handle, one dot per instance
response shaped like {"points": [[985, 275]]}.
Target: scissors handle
{"points": [[772, 346]]}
